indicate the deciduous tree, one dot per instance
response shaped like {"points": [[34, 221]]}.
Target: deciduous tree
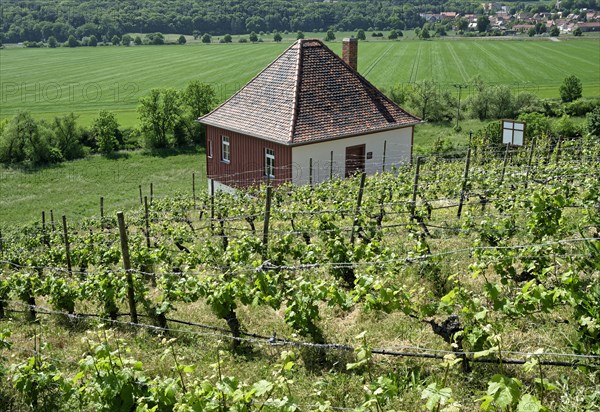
{"points": [[571, 89], [67, 136], [159, 113], [105, 129]]}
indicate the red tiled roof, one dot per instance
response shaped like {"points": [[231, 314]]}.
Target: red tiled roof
{"points": [[308, 94]]}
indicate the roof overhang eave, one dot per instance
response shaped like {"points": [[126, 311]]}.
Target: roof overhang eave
{"points": [[202, 120], [405, 125]]}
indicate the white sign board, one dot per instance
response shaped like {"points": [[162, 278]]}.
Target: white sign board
{"points": [[513, 133]]}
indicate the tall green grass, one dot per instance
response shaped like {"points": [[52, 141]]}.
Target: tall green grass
{"points": [[74, 188]]}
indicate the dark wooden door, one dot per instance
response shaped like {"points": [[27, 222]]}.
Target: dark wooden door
{"points": [[355, 159]]}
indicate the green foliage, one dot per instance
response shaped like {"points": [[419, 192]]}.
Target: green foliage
{"points": [[67, 136], [155, 38], [571, 89], [299, 35], [24, 139], [253, 37], [40, 383], [137, 41], [395, 34], [52, 42], [105, 129], [577, 32], [159, 113], [115, 40], [227, 38], [72, 41], [277, 37], [581, 107], [593, 122], [565, 127], [181, 39], [483, 24], [555, 31], [330, 36], [360, 35], [537, 125], [126, 40], [431, 102]]}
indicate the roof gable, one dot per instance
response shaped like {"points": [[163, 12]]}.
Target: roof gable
{"points": [[308, 94]]}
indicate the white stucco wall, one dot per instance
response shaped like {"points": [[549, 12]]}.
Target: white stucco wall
{"points": [[398, 151], [220, 187]]}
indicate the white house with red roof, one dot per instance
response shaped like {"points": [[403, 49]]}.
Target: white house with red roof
{"points": [[309, 116]]}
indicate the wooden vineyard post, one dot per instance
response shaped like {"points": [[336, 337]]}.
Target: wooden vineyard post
{"points": [[1, 254], [127, 267], [151, 193], [384, 155], [147, 220], [361, 189], [67, 248], [464, 184], [52, 220], [147, 234], [527, 174], [558, 148], [141, 199], [212, 205], [504, 164], [331, 165], [265, 241], [413, 202], [44, 234], [101, 212], [194, 189]]}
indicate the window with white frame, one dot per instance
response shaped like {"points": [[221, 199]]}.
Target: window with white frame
{"points": [[270, 163], [225, 149], [209, 149]]}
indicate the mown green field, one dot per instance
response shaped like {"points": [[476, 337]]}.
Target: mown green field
{"points": [[85, 80]]}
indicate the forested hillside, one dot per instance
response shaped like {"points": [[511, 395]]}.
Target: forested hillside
{"points": [[38, 20]]}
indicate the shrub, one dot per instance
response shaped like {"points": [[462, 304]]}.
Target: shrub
{"points": [[581, 107], [565, 127], [593, 122], [571, 89], [536, 124], [105, 129], [24, 139]]}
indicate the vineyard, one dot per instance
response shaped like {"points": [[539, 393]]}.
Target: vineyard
{"points": [[446, 285]]}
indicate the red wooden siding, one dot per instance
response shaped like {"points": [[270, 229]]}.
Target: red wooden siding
{"points": [[247, 154]]}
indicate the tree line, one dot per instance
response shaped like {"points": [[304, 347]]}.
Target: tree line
{"points": [[167, 118], [37, 21]]}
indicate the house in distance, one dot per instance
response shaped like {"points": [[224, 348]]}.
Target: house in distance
{"points": [[307, 117]]}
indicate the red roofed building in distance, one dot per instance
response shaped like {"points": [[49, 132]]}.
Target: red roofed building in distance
{"points": [[306, 118]]}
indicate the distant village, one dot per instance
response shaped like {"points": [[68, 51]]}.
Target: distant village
{"points": [[502, 21]]}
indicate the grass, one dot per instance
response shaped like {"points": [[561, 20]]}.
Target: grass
{"points": [[50, 82], [74, 188]]}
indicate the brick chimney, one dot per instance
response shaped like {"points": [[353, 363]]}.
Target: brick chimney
{"points": [[350, 52]]}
